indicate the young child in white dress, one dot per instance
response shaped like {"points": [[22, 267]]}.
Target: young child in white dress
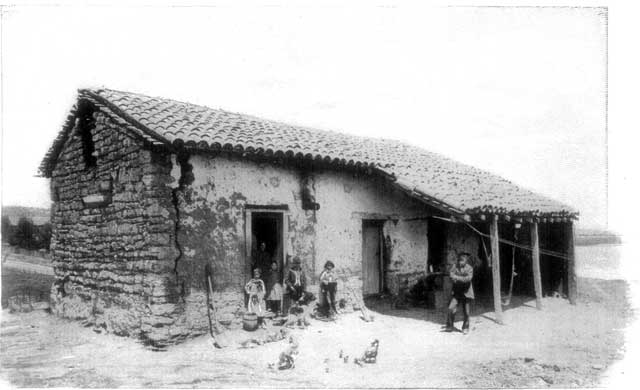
{"points": [[256, 291]]}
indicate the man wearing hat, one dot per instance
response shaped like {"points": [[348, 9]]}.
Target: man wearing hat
{"points": [[461, 274], [296, 280]]}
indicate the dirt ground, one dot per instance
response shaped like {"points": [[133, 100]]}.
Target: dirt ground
{"points": [[560, 346]]}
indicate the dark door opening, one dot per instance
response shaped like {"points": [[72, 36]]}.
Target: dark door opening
{"points": [[372, 262], [436, 241], [266, 241]]}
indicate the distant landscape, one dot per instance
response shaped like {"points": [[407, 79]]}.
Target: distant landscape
{"points": [[25, 228], [596, 237], [38, 215]]}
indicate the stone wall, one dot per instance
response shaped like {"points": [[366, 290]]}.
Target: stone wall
{"points": [[113, 233]]}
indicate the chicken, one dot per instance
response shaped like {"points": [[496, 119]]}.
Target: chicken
{"points": [[286, 360], [370, 354]]}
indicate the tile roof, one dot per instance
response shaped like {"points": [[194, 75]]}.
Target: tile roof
{"points": [[438, 180]]}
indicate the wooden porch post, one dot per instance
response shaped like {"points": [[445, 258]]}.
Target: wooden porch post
{"points": [[248, 245], [535, 260], [495, 268], [572, 285]]}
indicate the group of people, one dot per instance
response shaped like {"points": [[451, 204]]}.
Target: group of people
{"points": [[256, 290], [295, 282], [266, 293]]}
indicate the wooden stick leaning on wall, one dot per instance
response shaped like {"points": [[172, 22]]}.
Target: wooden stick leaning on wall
{"points": [[217, 333]]}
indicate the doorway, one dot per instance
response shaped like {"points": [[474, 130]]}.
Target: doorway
{"points": [[436, 242], [266, 241], [372, 261]]}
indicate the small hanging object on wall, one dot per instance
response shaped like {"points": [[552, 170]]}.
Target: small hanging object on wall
{"points": [[309, 193]]}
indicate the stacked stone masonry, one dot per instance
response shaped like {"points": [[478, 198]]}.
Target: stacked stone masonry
{"points": [[113, 263]]}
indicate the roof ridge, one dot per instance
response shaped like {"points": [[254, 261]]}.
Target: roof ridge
{"points": [[123, 114], [259, 118]]}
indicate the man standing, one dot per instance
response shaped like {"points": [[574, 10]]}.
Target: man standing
{"points": [[461, 275]]}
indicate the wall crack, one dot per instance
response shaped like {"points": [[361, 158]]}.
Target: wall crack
{"points": [[185, 180]]}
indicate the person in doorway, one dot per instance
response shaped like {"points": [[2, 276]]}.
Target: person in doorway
{"points": [[461, 274], [296, 281], [275, 289], [328, 288], [256, 291], [262, 259]]}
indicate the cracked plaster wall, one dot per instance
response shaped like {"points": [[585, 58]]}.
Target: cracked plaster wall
{"points": [[212, 228]]}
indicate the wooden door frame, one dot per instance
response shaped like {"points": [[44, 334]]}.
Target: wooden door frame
{"points": [[248, 230], [379, 224]]}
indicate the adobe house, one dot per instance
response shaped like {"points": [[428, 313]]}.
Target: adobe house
{"points": [[148, 192]]}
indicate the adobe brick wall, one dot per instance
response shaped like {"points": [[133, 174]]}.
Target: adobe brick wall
{"points": [[212, 228], [346, 200]]}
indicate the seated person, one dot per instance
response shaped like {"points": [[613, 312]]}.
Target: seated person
{"points": [[296, 281]]}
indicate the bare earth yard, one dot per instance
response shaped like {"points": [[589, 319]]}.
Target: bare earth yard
{"points": [[561, 346]]}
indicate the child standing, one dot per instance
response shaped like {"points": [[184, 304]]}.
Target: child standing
{"points": [[256, 291], [275, 289], [328, 288]]}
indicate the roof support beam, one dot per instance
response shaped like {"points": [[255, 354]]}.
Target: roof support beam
{"points": [[495, 268], [535, 257], [411, 191], [572, 283]]}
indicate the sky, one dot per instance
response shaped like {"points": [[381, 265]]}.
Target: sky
{"points": [[520, 92]]}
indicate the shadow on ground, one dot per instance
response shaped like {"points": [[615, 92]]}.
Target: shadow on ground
{"points": [[482, 307]]}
